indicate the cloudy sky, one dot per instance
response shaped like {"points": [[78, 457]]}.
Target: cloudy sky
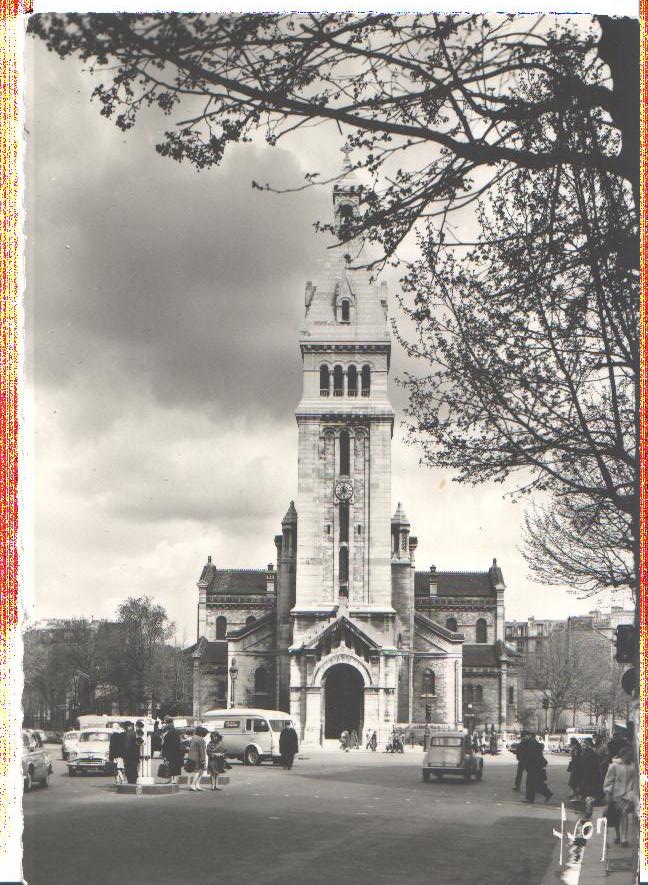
{"points": [[162, 313]]}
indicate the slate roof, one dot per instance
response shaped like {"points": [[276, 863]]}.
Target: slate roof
{"points": [[209, 652], [455, 584], [234, 581], [480, 655], [439, 628]]}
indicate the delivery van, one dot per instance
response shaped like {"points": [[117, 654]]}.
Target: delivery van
{"points": [[249, 735]]}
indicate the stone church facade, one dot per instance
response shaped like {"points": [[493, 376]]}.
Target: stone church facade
{"points": [[344, 632]]}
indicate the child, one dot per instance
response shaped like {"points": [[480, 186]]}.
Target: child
{"points": [[215, 758]]}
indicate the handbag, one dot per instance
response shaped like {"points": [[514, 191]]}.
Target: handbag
{"points": [[189, 766], [612, 814], [164, 770]]}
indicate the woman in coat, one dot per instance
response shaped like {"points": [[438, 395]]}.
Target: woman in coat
{"points": [[172, 750], [591, 783], [574, 768], [197, 754], [621, 791], [288, 746], [536, 781], [215, 758]]}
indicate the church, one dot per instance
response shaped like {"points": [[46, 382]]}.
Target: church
{"points": [[342, 631]]}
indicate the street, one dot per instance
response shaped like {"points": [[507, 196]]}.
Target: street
{"points": [[348, 817]]}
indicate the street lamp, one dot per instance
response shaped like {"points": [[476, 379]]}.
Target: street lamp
{"points": [[428, 676], [233, 672], [470, 716]]}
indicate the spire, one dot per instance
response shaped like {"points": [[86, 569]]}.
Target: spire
{"points": [[399, 518], [291, 515]]}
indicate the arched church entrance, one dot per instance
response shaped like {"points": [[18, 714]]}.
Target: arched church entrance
{"points": [[343, 700]]}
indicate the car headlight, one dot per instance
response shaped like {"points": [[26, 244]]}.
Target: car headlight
{"points": [[72, 754]]}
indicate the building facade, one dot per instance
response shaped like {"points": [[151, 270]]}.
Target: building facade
{"points": [[344, 632]]}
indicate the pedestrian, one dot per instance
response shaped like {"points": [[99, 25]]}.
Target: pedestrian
{"points": [[616, 744], [355, 743], [621, 793], [131, 751], [172, 749], [591, 786], [197, 757], [288, 745], [215, 758], [368, 741], [520, 755], [575, 768], [373, 743], [344, 741], [156, 738], [536, 780], [116, 752]]}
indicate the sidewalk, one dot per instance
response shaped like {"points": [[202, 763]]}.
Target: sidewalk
{"points": [[618, 866]]}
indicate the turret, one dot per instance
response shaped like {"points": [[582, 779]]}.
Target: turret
{"points": [[400, 529]]}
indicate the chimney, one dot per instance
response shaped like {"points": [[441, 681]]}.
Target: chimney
{"points": [[434, 583], [271, 580], [413, 544]]}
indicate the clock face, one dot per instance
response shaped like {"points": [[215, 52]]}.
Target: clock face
{"points": [[343, 490]]}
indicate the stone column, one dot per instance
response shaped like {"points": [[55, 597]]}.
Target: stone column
{"points": [[313, 724]]}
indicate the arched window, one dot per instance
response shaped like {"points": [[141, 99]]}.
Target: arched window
{"points": [[324, 380], [366, 380], [345, 453], [345, 311], [344, 522], [338, 381], [481, 631], [260, 679], [221, 627], [250, 620], [344, 565], [511, 694], [429, 682], [352, 387], [451, 624]]}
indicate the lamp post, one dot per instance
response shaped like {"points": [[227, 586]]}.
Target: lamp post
{"points": [[427, 679], [470, 716], [233, 673]]}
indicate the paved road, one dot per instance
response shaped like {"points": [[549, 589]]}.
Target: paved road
{"points": [[346, 819]]}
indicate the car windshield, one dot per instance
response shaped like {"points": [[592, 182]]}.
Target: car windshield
{"points": [[446, 741], [279, 724], [95, 736], [70, 735]]}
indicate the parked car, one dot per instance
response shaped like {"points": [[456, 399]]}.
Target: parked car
{"points": [[451, 753], [36, 764], [69, 743], [91, 753]]}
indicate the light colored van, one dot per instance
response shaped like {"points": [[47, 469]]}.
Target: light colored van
{"points": [[249, 735]]}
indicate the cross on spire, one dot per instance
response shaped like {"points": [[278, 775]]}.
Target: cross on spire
{"points": [[346, 150]]}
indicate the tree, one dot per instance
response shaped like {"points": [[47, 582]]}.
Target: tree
{"points": [[558, 672], [536, 373], [526, 716], [47, 671], [146, 628], [455, 95]]}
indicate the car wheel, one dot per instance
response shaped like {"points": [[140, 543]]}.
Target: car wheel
{"points": [[251, 756], [28, 780], [467, 776], [426, 776]]}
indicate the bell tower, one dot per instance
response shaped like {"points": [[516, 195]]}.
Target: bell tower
{"points": [[345, 423]]}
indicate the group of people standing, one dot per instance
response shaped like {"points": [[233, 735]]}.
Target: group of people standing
{"points": [[124, 752], [601, 770]]}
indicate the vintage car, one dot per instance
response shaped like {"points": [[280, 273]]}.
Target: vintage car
{"points": [[91, 753], [69, 742], [36, 764], [451, 752]]}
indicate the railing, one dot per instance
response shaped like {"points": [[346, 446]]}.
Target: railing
{"points": [[324, 391], [337, 392], [365, 392]]}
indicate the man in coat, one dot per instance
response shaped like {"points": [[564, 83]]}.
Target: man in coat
{"points": [[116, 752], [172, 749], [131, 752], [288, 746], [520, 755], [591, 782]]}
